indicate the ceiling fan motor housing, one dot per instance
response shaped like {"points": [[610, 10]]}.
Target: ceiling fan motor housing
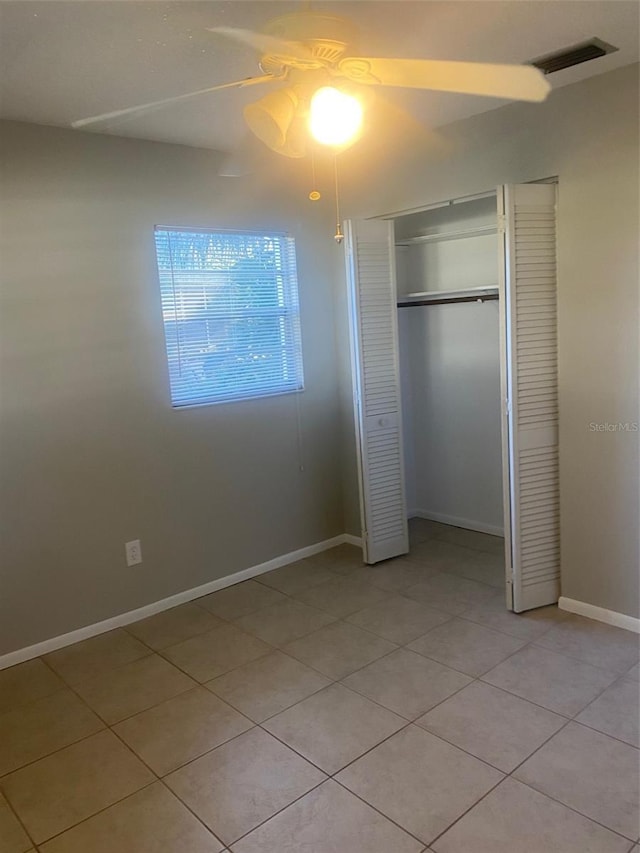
{"points": [[326, 37]]}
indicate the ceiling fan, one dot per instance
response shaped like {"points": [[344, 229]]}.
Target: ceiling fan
{"points": [[309, 53]]}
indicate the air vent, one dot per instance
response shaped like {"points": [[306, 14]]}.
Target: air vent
{"points": [[583, 52]]}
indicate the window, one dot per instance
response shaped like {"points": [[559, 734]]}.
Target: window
{"points": [[231, 315]]}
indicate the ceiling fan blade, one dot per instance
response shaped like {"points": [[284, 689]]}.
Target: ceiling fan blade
{"points": [[264, 43], [142, 108], [516, 82]]}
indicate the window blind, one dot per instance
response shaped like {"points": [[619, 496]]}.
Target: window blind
{"points": [[231, 314]]}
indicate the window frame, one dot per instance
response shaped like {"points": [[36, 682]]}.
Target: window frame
{"points": [[290, 310]]}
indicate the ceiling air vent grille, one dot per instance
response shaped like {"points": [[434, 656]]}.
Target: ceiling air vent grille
{"points": [[583, 52]]}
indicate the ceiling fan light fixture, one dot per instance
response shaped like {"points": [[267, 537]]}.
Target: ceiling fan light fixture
{"points": [[271, 117], [335, 117]]}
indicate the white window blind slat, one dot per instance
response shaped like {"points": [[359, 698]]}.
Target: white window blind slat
{"points": [[231, 314]]}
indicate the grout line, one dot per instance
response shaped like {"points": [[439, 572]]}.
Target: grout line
{"points": [[53, 752], [575, 810], [99, 811], [279, 811], [17, 817], [376, 809], [574, 658], [281, 711], [191, 811]]}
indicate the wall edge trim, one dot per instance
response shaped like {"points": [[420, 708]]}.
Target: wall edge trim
{"points": [[122, 619], [453, 520], [601, 614]]}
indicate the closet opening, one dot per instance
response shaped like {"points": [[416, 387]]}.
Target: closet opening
{"points": [[448, 318], [453, 340]]}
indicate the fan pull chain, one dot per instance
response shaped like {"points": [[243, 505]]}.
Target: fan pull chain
{"points": [[338, 236], [314, 195]]}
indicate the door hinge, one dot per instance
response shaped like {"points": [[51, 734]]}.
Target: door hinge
{"points": [[507, 407], [502, 223]]}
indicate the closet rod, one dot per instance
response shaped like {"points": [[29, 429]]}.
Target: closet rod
{"points": [[448, 301]]}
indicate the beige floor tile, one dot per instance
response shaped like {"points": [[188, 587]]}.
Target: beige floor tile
{"points": [[209, 655], [13, 838], [472, 539], [591, 773], [181, 729], [342, 553], [267, 686], [484, 568], [495, 726], [616, 712], [333, 727], [419, 781], [296, 577], [243, 783], [241, 598], [42, 727], [342, 597], [122, 692], [398, 619], [395, 575], [281, 623], [516, 819], [529, 625], [467, 647], [328, 820], [342, 559], [151, 821], [554, 681], [57, 792], [25, 683], [435, 553], [173, 626], [339, 649], [406, 683], [98, 654], [450, 593], [593, 642], [421, 529]]}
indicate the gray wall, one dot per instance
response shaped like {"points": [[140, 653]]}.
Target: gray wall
{"points": [[452, 357], [587, 135], [92, 454]]}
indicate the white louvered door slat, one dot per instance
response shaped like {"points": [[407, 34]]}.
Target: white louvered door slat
{"points": [[376, 382], [530, 382]]}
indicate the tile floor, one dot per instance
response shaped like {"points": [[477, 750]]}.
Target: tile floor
{"points": [[329, 707]]}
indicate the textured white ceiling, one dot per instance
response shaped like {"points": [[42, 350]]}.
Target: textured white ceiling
{"points": [[61, 61]]}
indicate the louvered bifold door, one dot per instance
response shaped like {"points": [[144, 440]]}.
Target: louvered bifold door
{"points": [[376, 383], [528, 222]]}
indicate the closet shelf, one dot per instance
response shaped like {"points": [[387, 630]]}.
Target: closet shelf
{"points": [[479, 231], [443, 297]]}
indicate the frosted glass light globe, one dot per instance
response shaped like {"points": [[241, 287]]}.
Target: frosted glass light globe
{"points": [[334, 117]]}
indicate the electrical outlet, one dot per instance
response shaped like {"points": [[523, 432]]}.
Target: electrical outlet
{"points": [[133, 550]]}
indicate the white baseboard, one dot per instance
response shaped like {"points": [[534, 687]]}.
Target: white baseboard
{"points": [[601, 614], [51, 645], [454, 521], [350, 539]]}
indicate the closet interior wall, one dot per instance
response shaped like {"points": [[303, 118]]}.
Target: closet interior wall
{"points": [[449, 364]]}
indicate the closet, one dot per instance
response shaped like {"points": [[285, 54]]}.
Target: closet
{"points": [[449, 343], [453, 349]]}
